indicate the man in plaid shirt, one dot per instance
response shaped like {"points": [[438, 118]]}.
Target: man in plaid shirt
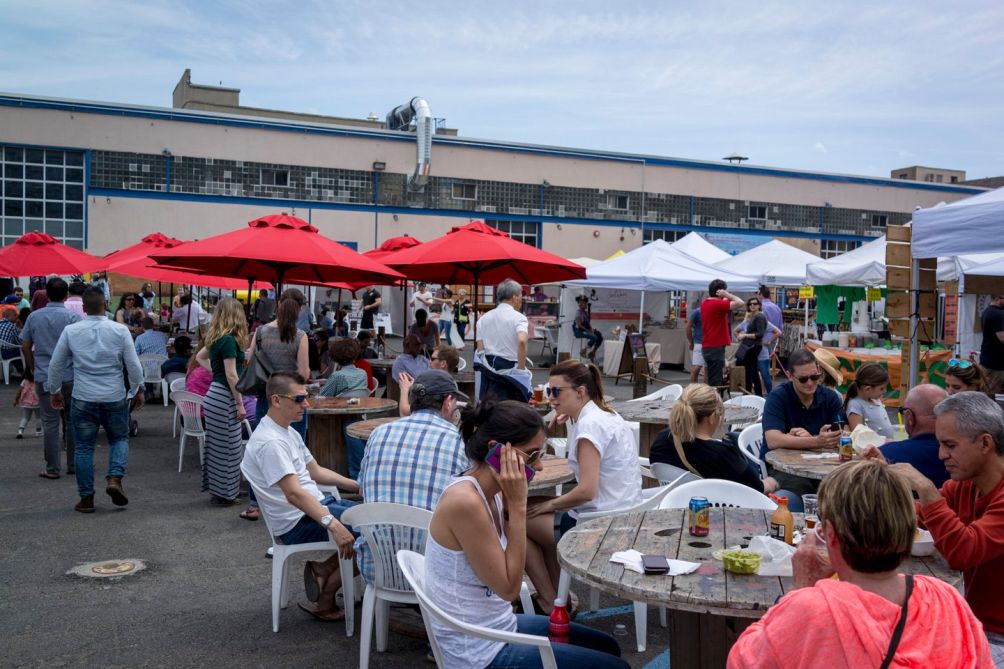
{"points": [[411, 460]]}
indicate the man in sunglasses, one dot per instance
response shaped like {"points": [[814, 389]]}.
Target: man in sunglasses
{"points": [[285, 478], [992, 348], [800, 415]]}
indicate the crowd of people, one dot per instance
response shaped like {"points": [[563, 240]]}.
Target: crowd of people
{"points": [[466, 459]]}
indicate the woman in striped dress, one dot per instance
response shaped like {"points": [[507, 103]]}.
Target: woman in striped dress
{"points": [[223, 354]]}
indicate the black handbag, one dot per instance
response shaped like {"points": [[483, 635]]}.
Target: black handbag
{"points": [[256, 374]]}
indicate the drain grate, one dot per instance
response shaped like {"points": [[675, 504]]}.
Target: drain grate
{"points": [[108, 568]]}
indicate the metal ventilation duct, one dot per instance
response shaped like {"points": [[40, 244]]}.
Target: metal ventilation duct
{"points": [[400, 118]]}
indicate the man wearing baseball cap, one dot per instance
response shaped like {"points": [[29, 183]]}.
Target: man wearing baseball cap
{"points": [[410, 461]]}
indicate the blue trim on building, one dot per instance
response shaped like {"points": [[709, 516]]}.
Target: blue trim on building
{"points": [[540, 220], [186, 116]]}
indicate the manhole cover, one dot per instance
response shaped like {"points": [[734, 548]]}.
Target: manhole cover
{"points": [[108, 568]]}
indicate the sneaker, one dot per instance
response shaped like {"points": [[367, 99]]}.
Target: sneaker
{"points": [[20, 433], [38, 432], [85, 505]]}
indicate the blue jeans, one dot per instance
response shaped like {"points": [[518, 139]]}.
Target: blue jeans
{"points": [[595, 338], [356, 449], [768, 384], [308, 530], [86, 418], [445, 325], [587, 648]]}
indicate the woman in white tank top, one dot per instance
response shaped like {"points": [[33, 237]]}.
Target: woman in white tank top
{"points": [[476, 549]]}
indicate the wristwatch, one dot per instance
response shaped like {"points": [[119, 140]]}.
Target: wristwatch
{"points": [[327, 520]]}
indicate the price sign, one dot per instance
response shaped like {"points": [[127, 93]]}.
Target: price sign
{"points": [[806, 292], [874, 294]]}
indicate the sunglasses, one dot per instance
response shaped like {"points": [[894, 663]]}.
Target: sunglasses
{"points": [[811, 377], [533, 457], [554, 391], [299, 399], [753, 304], [961, 364]]}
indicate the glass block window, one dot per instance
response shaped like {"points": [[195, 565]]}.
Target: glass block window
{"points": [[665, 235], [829, 248], [527, 232], [42, 190]]}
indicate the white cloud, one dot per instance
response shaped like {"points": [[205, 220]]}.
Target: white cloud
{"points": [[820, 147]]}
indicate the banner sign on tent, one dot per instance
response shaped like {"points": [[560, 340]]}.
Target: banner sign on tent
{"points": [[932, 367], [874, 294]]}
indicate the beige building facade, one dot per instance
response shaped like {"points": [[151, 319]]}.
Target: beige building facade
{"points": [[102, 175]]}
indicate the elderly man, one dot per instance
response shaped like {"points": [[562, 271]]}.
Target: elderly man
{"points": [[503, 334], [409, 361], [151, 341], [285, 476], [41, 331], [99, 350], [966, 516], [411, 460], [800, 415], [445, 358], [921, 449]]}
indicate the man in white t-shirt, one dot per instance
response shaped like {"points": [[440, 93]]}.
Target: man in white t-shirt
{"points": [[285, 476], [503, 334], [422, 299]]}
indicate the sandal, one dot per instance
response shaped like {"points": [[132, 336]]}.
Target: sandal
{"points": [[331, 616], [312, 585], [250, 513]]}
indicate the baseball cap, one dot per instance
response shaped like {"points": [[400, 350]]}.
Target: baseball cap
{"points": [[435, 382]]}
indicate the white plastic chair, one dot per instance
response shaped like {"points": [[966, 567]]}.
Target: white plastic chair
{"points": [[670, 392], [719, 493], [651, 499], [373, 386], [666, 473], [190, 406], [747, 401], [359, 392], [386, 528], [151, 363], [413, 568], [167, 381], [280, 571], [176, 385], [7, 362], [461, 365], [750, 440]]}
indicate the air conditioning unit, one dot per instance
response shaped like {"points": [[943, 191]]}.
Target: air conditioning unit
{"points": [[487, 208]]}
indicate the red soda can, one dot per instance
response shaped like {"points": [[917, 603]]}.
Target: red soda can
{"points": [[700, 516]]}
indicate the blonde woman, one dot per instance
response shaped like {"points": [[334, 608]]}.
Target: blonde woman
{"points": [[223, 355], [690, 442]]}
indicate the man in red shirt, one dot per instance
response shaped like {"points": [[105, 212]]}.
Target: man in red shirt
{"points": [[966, 517], [716, 331]]}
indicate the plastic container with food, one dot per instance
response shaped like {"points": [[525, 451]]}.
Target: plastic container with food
{"points": [[739, 561], [923, 544]]}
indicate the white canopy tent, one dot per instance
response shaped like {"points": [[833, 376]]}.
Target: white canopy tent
{"points": [[864, 266], [972, 225], [696, 246], [775, 263]]}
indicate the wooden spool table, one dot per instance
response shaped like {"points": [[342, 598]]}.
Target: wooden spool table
{"points": [[364, 428], [555, 472], [709, 608], [792, 461], [653, 415], [326, 416]]}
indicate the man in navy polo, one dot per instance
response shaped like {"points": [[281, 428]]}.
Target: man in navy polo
{"points": [[921, 449], [799, 415]]}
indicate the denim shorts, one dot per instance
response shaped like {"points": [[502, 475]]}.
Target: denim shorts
{"points": [[308, 530]]}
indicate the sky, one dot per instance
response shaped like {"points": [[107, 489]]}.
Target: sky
{"points": [[836, 86]]}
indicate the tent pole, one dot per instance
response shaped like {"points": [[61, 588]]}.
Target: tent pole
{"points": [[188, 316], [914, 321], [641, 312]]}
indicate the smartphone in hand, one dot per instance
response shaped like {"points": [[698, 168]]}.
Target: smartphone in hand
{"points": [[494, 460]]}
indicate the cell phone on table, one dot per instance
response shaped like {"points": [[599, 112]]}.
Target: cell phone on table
{"points": [[494, 460], [655, 564]]}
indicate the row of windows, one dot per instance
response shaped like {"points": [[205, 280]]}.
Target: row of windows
{"points": [[527, 232], [42, 190], [829, 248]]}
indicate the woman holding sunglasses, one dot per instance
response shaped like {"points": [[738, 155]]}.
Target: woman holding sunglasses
{"points": [[601, 451], [477, 548], [962, 375]]}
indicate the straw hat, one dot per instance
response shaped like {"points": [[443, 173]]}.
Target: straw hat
{"points": [[830, 364]]}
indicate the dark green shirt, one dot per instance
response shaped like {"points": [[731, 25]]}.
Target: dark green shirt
{"points": [[223, 348]]}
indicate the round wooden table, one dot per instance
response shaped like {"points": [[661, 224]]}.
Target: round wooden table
{"points": [[793, 461], [364, 428], [709, 608], [326, 418], [653, 415], [555, 472]]}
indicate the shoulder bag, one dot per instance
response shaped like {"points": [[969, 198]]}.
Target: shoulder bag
{"points": [[256, 374]]}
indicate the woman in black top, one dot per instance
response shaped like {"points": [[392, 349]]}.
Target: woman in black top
{"points": [[695, 418], [750, 343]]}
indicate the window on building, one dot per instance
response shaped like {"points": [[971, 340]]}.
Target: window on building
{"points": [[955, 180], [527, 232], [42, 190], [619, 202], [757, 212], [465, 191], [879, 220], [939, 178], [665, 235], [929, 178], [903, 175], [829, 248], [270, 177]]}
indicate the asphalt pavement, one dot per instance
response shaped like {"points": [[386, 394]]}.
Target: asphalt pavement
{"points": [[203, 598]]}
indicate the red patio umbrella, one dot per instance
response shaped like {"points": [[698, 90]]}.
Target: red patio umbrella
{"points": [[391, 245], [479, 254], [277, 248], [135, 261], [38, 254]]}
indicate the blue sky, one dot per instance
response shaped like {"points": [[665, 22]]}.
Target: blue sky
{"points": [[834, 86]]}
